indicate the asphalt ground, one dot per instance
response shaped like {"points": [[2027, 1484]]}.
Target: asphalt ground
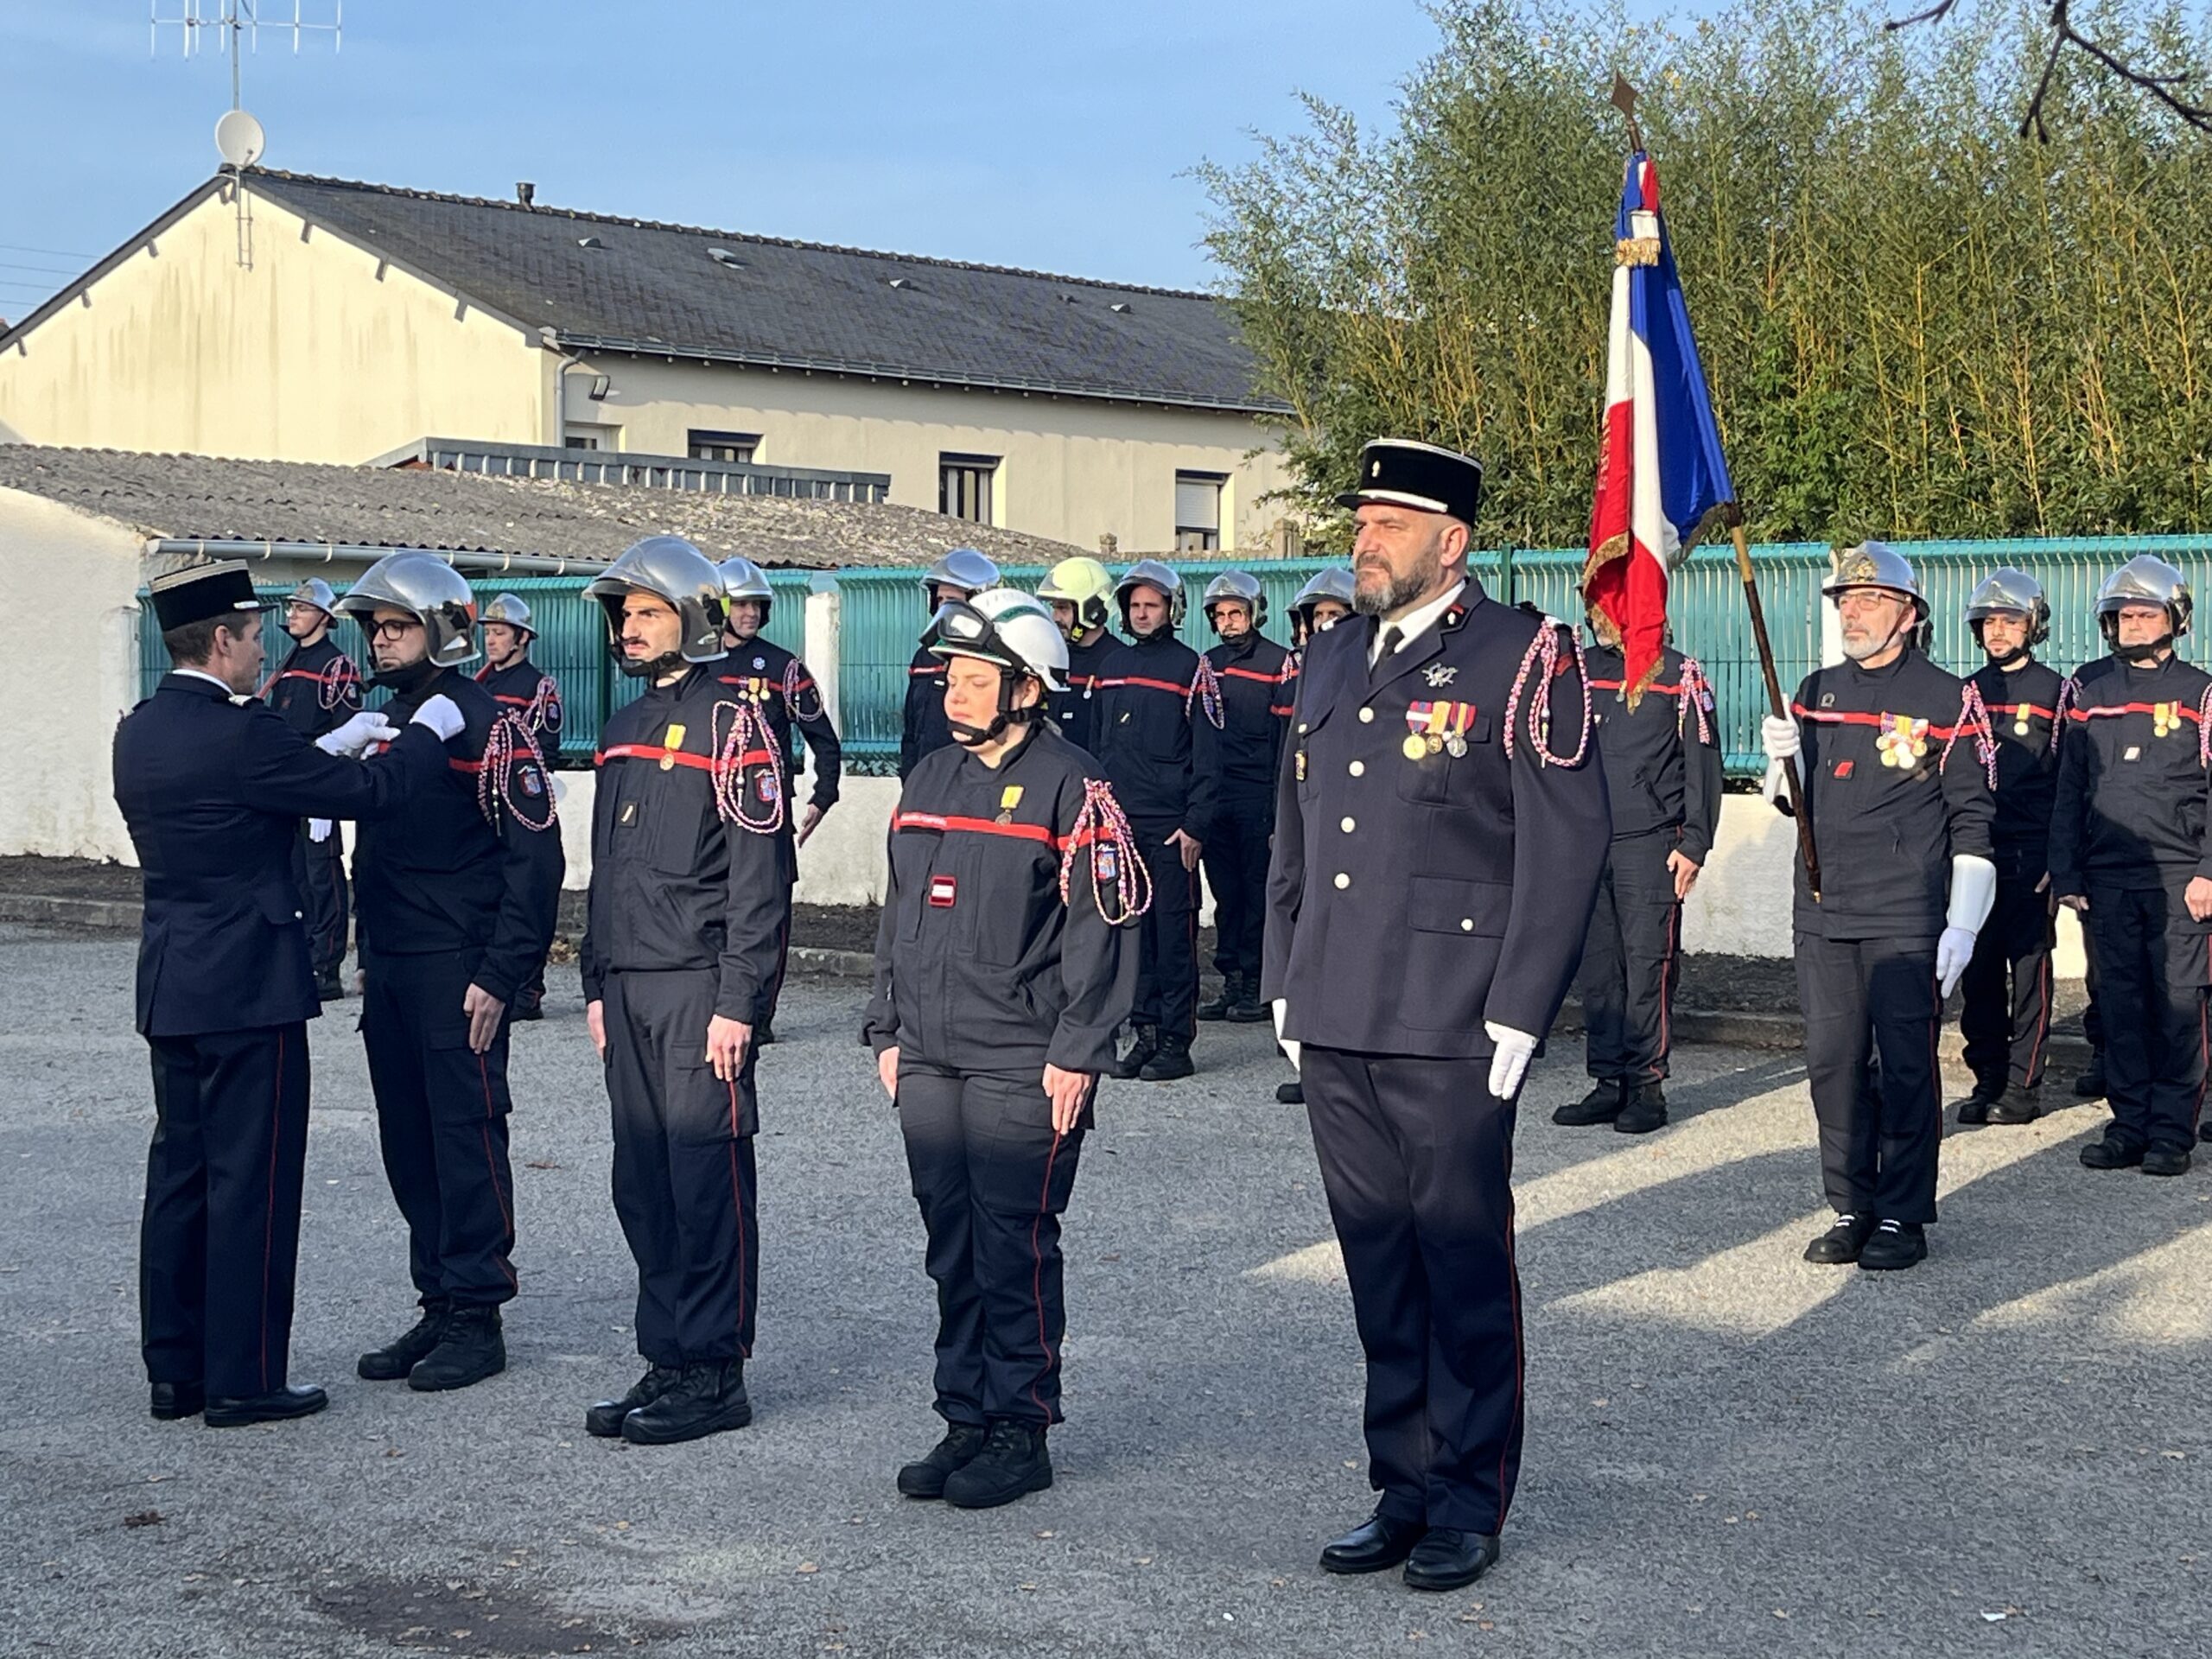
{"points": [[1730, 1451]]}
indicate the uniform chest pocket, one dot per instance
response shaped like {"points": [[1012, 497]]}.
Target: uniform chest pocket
{"points": [[663, 824], [1430, 780], [913, 863]]}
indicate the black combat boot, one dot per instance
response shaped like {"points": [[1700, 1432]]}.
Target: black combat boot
{"points": [[604, 1418], [1142, 1047], [329, 987], [2166, 1161], [1012, 1462], [2090, 1085], [1248, 1009], [1232, 987], [1292, 1093], [1172, 1061], [2017, 1106], [1974, 1109], [1646, 1109], [402, 1353], [2115, 1151], [954, 1452], [1604, 1102], [471, 1349], [705, 1400]]}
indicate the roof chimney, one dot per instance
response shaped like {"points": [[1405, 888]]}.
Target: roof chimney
{"points": [[525, 192]]}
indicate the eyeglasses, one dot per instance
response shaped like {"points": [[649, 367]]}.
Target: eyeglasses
{"points": [[392, 627]]}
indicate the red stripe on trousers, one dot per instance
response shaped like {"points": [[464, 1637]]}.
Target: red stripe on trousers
{"points": [[491, 1165], [1036, 1276]]}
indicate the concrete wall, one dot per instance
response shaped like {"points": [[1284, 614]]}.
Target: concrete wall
{"points": [[1071, 468], [318, 353]]}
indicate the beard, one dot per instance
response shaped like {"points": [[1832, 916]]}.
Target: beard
{"points": [[1395, 594]]}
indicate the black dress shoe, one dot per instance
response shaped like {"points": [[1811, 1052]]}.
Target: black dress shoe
{"points": [[171, 1401], [302, 1400], [1601, 1105], [2111, 1152], [1646, 1110], [1839, 1247], [2166, 1160], [1893, 1245], [705, 1400], [2017, 1106], [604, 1418], [926, 1478], [1377, 1542], [404, 1352], [1291, 1093], [1248, 1009], [1448, 1559], [1220, 1007]]}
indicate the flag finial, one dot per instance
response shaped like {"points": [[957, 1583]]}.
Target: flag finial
{"points": [[1624, 98]]}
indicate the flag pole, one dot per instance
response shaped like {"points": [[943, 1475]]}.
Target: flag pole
{"points": [[1734, 515]]}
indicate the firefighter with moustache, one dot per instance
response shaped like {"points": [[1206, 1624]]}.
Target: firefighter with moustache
{"points": [[532, 696], [960, 573], [1244, 691], [1663, 777], [785, 690], [2128, 851], [1006, 961], [1895, 767], [687, 903], [1080, 591], [316, 690], [457, 906], [2004, 1006], [1158, 759]]}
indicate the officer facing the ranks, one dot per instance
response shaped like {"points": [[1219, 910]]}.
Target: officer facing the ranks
{"points": [[2005, 1025], [1440, 833], [315, 690], [1324, 601], [524, 690], [2128, 851], [1156, 753], [784, 689], [1244, 689], [1895, 766], [687, 903], [457, 906], [1006, 961], [213, 787], [1079, 591], [1662, 776], [960, 573]]}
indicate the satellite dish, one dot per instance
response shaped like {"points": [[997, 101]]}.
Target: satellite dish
{"points": [[240, 139]]}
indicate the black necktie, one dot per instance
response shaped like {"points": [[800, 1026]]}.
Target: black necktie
{"points": [[1393, 637]]}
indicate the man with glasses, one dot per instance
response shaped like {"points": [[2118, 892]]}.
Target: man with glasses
{"points": [[1895, 762], [316, 690]]}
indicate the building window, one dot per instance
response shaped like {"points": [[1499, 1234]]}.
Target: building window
{"points": [[590, 437], [963, 486], [1198, 511], [737, 447]]}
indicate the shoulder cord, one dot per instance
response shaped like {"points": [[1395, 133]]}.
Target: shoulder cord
{"points": [[2069, 696], [1206, 689], [1696, 693], [1099, 827], [2204, 728], [798, 683], [538, 713], [1543, 655], [340, 685], [748, 736], [506, 746], [1974, 717]]}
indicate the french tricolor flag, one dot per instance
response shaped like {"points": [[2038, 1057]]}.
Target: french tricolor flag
{"points": [[1660, 470]]}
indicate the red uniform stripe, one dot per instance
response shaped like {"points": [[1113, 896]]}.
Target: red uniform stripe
{"points": [[651, 752], [1041, 834], [1152, 685], [1852, 717], [2187, 711], [2021, 709], [1616, 685]]}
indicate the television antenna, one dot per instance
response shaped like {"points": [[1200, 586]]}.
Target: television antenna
{"points": [[231, 28]]}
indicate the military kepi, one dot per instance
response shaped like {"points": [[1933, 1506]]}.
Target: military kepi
{"points": [[1398, 472], [201, 591]]}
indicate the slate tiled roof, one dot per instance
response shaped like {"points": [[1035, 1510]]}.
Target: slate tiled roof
{"points": [[190, 497], [616, 285]]}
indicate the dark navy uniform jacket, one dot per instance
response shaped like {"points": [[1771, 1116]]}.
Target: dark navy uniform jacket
{"points": [[1663, 769], [764, 673], [686, 873], [316, 690], [979, 964], [2023, 705], [927, 729], [1409, 900], [2131, 807], [214, 793], [1076, 708], [1252, 681], [1146, 738], [1895, 779], [533, 696], [476, 863]]}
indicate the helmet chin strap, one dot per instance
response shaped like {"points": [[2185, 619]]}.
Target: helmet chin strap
{"points": [[2146, 655], [667, 663], [974, 737]]}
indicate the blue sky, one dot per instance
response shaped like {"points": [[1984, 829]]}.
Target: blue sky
{"points": [[1054, 134]]}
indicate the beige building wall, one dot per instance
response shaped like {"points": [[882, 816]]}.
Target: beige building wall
{"points": [[318, 353], [1071, 468]]}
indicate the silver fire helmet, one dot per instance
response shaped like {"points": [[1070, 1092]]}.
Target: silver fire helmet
{"points": [[2144, 580], [962, 568], [316, 592], [1151, 573], [1235, 587], [429, 591], [670, 569], [510, 609], [2009, 590]]}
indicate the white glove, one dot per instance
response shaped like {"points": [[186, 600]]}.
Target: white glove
{"points": [[1953, 951], [1288, 1047], [440, 715], [1510, 1064], [356, 735], [1778, 737], [318, 829]]}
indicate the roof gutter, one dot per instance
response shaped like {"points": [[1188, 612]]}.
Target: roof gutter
{"points": [[537, 564]]}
